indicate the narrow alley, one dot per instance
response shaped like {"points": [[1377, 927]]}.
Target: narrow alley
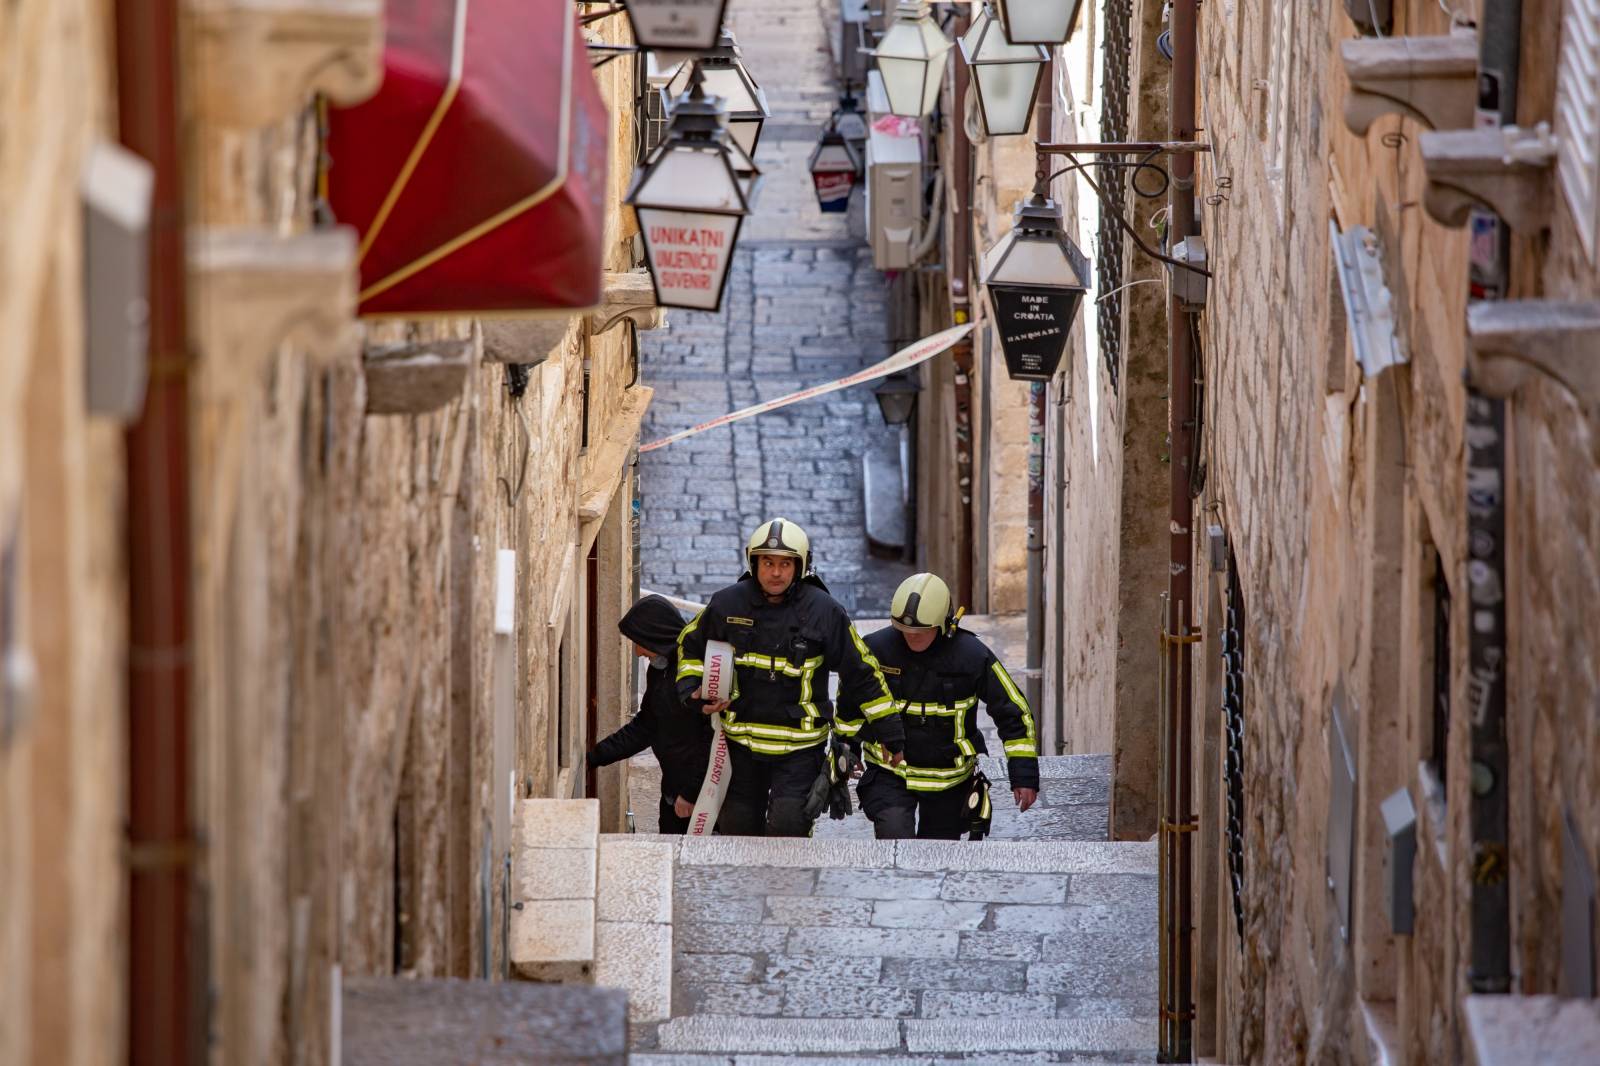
{"points": [[799, 532]]}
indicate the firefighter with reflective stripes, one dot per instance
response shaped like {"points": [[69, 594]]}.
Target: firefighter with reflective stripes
{"points": [[939, 673], [787, 633]]}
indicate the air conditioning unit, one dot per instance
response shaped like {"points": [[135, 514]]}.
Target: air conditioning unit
{"points": [[894, 186], [654, 118]]}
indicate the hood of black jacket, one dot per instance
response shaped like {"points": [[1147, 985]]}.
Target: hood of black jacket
{"points": [[653, 623]]}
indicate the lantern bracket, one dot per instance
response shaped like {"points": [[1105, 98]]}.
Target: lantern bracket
{"points": [[1147, 152], [601, 54], [604, 13]]}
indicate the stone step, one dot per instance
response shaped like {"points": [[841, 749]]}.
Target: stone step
{"points": [[1131, 1038], [1002, 856], [974, 1059]]}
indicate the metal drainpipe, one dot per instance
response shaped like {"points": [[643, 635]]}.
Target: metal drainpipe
{"points": [[1177, 1007], [166, 937], [1489, 966], [960, 199], [1038, 397]]}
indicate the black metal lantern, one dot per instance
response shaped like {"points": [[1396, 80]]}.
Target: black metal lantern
{"points": [[1005, 75], [852, 126], [897, 399], [911, 59], [676, 25], [1038, 21], [691, 200], [834, 167], [1036, 279], [726, 76]]}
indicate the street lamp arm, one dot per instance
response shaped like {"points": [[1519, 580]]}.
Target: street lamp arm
{"points": [[1082, 168]]}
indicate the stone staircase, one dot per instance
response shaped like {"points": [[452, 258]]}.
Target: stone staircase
{"points": [[1036, 946]]}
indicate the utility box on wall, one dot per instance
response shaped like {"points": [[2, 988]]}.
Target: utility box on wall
{"points": [[894, 186]]}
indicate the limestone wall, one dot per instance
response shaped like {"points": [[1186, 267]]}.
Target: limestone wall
{"points": [[61, 585], [345, 754], [1336, 493]]}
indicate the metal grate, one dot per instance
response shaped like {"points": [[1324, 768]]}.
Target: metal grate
{"points": [[654, 119], [1116, 86], [1233, 734]]}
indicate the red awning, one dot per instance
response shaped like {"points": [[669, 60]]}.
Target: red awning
{"points": [[477, 175]]}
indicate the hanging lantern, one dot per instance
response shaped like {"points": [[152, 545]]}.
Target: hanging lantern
{"points": [[1036, 279], [1038, 21], [911, 59], [897, 399], [690, 200], [726, 76], [1006, 75], [852, 126], [834, 169], [676, 25]]}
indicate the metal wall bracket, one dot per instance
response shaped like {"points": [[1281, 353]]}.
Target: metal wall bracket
{"points": [[1368, 304], [1430, 79], [1505, 170], [1510, 339], [627, 295], [259, 61]]}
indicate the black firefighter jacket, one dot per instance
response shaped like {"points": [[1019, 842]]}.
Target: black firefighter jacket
{"points": [[678, 733], [783, 653], [938, 691]]}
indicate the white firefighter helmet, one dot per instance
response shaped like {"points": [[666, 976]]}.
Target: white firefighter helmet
{"points": [[780, 537], [921, 602]]}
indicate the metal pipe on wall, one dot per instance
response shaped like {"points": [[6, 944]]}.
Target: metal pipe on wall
{"points": [[1038, 397], [960, 203], [1177, 815], [166, 1013]]}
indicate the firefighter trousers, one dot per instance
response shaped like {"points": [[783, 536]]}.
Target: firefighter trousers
{"points": [[898, 813], [767, 793]]}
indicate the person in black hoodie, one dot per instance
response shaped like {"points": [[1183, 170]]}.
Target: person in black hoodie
{"points": [[679, 735]]}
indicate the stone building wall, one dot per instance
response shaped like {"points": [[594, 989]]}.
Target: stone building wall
{"points": [[61, 572], [348, 769], [1336, 493]]}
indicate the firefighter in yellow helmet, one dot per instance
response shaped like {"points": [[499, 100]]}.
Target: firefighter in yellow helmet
{"points": [[787, 633], [938, 673]]}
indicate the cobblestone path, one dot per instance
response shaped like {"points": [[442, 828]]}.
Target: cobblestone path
{"points": [[803, 306]]}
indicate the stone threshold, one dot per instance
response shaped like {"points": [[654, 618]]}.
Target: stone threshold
{"points": [[933, 856], [708, 1033]]}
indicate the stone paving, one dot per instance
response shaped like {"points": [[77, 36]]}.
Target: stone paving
{"points": [[1038, 945], [803, 306], [816, 949]]}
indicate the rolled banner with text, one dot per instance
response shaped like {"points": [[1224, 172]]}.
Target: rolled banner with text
{"points": [[907, 357], [716, 687]]}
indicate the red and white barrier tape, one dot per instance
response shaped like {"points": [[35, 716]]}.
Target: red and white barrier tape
{"points": [[904, 359]]}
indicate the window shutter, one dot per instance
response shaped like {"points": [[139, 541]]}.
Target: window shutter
{"points": [[1578, 116]]}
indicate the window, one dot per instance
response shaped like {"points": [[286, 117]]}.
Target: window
{"points": [[1439, 742], [1578, 117], [1233, 735]]}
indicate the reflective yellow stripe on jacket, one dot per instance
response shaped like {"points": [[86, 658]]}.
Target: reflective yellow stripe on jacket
{"points": [[921, 778], [1027, 745]]}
